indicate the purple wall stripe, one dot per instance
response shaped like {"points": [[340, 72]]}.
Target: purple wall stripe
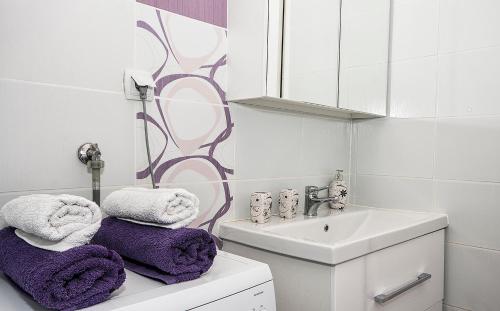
{"points": [[209, 11]]}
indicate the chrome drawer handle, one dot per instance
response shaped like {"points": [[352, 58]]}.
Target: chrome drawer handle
{"points": [[382, 298]]}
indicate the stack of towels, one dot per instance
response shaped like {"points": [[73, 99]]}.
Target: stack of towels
{"points": [[147, 227], [44, 251]]}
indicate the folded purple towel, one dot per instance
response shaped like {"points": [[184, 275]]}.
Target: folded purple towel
{"points": [[77, 278], [168, 255]]}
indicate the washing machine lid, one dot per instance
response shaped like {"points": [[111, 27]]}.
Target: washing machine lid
{"points": [[229, 274]]}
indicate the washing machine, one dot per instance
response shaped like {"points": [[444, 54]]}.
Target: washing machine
{"points": [[233, 283]]}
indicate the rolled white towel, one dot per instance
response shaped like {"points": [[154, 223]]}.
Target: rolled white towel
{"points": [[169, 208], [53, 222], [3, 224]]}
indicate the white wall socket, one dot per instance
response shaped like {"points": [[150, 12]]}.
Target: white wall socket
{"points": [[143, 78]]}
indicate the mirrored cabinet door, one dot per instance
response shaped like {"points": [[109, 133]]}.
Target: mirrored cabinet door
{"points": [[311, 51], [364, 54], [328, 57]]}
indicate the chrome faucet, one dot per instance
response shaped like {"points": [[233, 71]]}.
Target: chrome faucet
{"points": [[90, 155], [312, 202]]}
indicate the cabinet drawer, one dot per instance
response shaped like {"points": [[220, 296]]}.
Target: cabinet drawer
{"points": [[394, 270]]}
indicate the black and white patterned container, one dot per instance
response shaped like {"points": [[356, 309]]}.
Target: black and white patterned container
{"points": [[288, 203], [260, 207]]}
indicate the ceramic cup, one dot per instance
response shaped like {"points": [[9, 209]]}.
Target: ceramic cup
{"points": [[288, 203], [260, 207]]}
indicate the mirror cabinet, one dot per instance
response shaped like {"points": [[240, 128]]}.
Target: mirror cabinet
{"points": [[327, 57]]}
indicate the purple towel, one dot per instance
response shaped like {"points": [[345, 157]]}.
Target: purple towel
{"points": [[168, 255], [77, 278]]}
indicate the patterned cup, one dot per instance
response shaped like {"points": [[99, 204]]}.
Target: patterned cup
{"points": [[260, 207], [288, 203]]}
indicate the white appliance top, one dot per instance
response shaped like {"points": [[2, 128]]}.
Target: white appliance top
{"points": [[229, 274]]}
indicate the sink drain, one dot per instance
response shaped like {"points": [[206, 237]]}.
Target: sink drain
{"points": [[325, 228]]}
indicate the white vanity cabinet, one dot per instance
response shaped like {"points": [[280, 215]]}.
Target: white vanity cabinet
{"points": [[353, 285], [357, 282], [325, 57]]}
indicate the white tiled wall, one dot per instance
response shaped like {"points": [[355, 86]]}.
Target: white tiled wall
{"points": [[60, 86], [275, 151], [439, 150]]}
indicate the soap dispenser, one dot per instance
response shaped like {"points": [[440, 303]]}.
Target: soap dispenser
{"points": [[338, 188]]}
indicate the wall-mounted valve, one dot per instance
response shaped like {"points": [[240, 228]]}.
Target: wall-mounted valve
{"points": [[90, 155]]}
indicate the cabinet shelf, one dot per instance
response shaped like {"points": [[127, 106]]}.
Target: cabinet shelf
{"points": [[305, 107]]}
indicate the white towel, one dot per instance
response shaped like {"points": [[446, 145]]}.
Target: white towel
{"points": [[53, 222], [3, 224], [169, 208]]}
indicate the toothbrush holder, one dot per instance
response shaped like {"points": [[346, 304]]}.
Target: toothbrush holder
{"points": [[260, 207], [288, 203]]}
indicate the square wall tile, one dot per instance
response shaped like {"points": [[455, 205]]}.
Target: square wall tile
{"points": [[396, 147], [268, 143], [394, 192], [44, 126], [465, 24], [85, 43], [468, 83], [414, 28], [468, 149], [473, 212], [413, 85], [472, 278], [325, 146]]}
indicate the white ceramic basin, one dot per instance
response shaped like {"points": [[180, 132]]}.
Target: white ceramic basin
{"points": [[337, 236]]}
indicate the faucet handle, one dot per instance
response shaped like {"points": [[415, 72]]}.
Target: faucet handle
{"points": [[315, 189]]}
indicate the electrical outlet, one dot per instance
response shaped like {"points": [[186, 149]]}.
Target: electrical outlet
{"points": [[142, 78]]}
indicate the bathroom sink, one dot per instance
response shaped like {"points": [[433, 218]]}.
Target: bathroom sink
{"points": [[335, 236]]}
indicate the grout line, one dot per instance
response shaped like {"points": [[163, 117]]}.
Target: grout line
{"points": [[65, 86], [388, 91], [60, 189], [235, 181], [456, 307], [350, 168], [436, 110], [134, 114], [186, 101], [474, 246], [279, 178], [471, 116], [433, 179], [438, 54], [396, 176], [436, 95], [468, 50], [413, 58]]}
